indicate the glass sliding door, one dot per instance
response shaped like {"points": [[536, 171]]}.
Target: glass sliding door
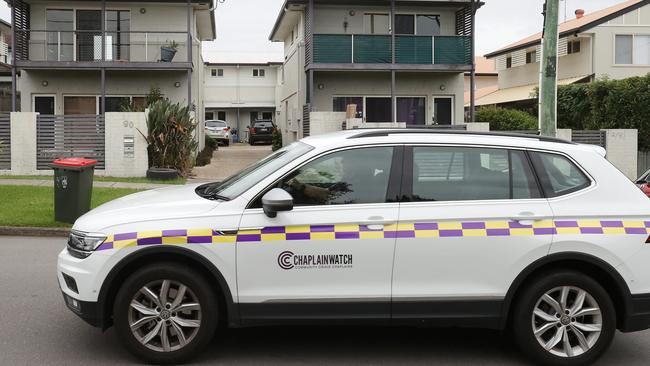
{"points": [[118, 38], [59, 26], [340, 104], [378, 109], [412, 111], [79, 105], [89, 35]]}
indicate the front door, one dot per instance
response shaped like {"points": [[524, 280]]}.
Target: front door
{"points": [[475, 219], [331, 256], [44, 104], [443, 110]]}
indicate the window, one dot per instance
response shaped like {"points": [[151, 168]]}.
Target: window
{"points": [[254, 116], [531, 57], [462, 174], [508, 62], [221, 115], [378, 109], [404, 24], [267, 116], [118, 24], [114, 104], [79, 105], [411, 110], [340, 104], [259, 73], [632, 50], [376, 23], [63, 21], [217, 72], [573, 47], [346, 177], [641, 50], [428, 25], [209, 116], [558, 175], [623, 51]]}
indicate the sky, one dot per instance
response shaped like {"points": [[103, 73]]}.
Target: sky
{"points": [[243, 26]]}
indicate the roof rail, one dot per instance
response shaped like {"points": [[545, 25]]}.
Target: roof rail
{"points": [[395, 131]]}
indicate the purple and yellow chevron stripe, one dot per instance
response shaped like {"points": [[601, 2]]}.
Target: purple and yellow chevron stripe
{"points": [[344, 232]]}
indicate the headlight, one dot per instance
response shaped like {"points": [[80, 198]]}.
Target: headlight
{"points": [[81, 245]]}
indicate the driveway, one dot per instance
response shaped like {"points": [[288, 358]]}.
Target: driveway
{"points": [[229, 160], [37, 329]]}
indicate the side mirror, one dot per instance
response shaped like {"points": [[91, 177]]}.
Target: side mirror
{"points": [[276, 200]]}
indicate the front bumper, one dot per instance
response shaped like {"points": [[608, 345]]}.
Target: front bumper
{"points": [[88, 311], [638, 314]]}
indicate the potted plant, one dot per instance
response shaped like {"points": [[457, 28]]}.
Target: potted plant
{"points": [[168, 51], [171, 139]]}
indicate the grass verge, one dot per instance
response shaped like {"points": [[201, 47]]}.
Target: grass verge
{"points": [[27, 206], [177, 181]]}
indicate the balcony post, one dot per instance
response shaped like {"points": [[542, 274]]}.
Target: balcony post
{"points": [[14, 53], [393, 97], [189, 48], [103, 69]]}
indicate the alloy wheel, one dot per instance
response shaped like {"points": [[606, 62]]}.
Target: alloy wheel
{"points": [[164, 315], [567, 321]]}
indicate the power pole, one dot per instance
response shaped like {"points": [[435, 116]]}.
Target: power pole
{"points": [[548, 70]]}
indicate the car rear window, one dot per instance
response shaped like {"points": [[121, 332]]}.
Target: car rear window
{"points": [[263, 124], [558, 175], [216, 124]]}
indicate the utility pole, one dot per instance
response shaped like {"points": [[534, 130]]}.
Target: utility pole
{"points": [[548, 70]]}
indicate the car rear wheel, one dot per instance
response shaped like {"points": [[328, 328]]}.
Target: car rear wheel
{"points": [[564, 318], [165, 314]]}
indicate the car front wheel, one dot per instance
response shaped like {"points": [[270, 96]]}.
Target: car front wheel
{"points": [[165, 314], [564, 318]]}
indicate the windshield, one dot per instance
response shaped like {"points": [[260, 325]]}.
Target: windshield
{"points": [[247, 178]]}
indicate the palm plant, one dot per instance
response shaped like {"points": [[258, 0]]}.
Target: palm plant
{"points": [[171, 136]]}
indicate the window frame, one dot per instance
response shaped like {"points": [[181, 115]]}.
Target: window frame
{"points": [[395, 179], [261, 72], [633, 35], [538, 171], [531, 57], [406, 194], [570, 50], [509, 62]]}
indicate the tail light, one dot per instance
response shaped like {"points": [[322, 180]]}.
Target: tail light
{"points": [[253, 130], [275, 130], [226, 129]]}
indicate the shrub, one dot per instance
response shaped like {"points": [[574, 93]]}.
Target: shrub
{"points": [[502, 119], [171, 136], [276, 140], [205, 156]]}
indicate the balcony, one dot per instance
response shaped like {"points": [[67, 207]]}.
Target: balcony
{"points": [[447, 51], [84, 49]]}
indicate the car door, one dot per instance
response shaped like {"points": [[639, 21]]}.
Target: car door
{"points": [[473, 220], [329, 257]]}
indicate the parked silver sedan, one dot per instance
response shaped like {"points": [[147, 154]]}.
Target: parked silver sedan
{"points": [[218, 130]]}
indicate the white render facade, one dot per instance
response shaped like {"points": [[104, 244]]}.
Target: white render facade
{"points": [[241, 93], [338, 55]]}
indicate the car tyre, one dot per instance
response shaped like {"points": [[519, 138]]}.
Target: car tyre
{"points": [[251, 142], [226, 143], [188, 328], [535, 320]]}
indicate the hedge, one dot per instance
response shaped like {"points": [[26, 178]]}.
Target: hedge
{"points": [[502, 119]]}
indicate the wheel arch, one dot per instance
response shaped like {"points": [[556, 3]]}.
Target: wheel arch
{"points": [[132, 262], [595, 267]]}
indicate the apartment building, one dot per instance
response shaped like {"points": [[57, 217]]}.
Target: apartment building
{"points": [[90, 57], [240, 93], [613, 43], [397, 62]]}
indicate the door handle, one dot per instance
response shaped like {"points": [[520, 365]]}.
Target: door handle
{"points": [[526, 218], [375, 223]]}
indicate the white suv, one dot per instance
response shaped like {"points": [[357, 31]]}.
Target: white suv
{"points": [[540, 236]]}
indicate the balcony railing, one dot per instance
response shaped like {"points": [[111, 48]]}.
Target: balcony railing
{"points": [[86, 46], [376, 49]]}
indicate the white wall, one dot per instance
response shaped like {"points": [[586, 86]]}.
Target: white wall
{"points": [[120, 162]]}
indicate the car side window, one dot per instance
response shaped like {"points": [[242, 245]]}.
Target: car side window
{"points": [[465, 173], [346, 177], [558, 175]]}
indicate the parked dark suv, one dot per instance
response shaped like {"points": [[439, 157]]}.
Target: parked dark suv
{"points": [[261, 131]]}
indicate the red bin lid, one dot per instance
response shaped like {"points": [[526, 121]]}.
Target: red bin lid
{"points": [[74, 162]]}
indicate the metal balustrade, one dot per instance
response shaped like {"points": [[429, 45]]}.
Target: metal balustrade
{"points": [[376, 49], [59, 136], [87, 46]]}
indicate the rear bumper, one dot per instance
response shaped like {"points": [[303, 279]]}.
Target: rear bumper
{"points": [[261, 137], [638, 314]]}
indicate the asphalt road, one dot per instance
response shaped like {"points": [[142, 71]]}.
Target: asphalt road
{"points": [[37, 329]]}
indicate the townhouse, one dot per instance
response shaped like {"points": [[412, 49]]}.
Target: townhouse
{"points": [[387, 63]]}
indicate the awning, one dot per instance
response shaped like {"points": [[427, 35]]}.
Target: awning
{"points": [[227, 105], [524, 92]]}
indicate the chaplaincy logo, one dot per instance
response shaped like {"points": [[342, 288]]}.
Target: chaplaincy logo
{"points": [[288, 260]]}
